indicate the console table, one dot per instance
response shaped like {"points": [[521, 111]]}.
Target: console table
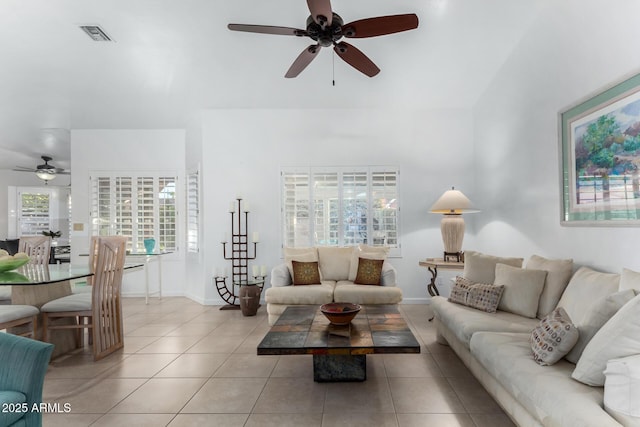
{"points": [[432, 264]]}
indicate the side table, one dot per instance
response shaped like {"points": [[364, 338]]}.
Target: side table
{"points": [[432, 265]]}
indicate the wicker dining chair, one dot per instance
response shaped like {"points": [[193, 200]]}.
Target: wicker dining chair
{"points": [[100, 312], [37, 247]]}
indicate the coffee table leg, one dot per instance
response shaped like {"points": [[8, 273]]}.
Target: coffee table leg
{"points": [[333, 368]]}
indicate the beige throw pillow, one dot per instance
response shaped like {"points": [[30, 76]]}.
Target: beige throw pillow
{"points": [[481, 268], [619, 337], [299, 254], [522, 289], [559, 273], [553, 337], [585, 288], [367, 252], [334, 262], [630, 280], [600, 313]]}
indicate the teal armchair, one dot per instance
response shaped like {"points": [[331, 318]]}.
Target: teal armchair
{"points": [[23, 364]]}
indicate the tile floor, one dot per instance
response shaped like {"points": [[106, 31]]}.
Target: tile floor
{"points": [[185, 364]]}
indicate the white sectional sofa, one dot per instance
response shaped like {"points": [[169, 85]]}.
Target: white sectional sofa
{"points": [[598, 386], [338, 268]]}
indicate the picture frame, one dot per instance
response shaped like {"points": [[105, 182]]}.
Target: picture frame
{"points": [[599, 146]]}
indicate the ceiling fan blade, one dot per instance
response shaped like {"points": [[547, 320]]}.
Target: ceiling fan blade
{"points": [[267, 29], [303, 60], [354, 57], [23, 169], [380, 26], [321, 11]]}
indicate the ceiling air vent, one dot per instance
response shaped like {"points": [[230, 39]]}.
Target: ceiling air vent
{"points": [[96, 33]]}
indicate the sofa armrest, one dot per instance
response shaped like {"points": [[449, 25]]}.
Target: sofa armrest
{"points": [[23, 364], [280, 276], [388, 277]]}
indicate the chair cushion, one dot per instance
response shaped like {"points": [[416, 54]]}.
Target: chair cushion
{"points": [[75, 302], [346, 291], [15, 312], [8, 417], [559, 273]]}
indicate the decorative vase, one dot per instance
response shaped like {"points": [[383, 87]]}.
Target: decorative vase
{"points": [[149, 245]]}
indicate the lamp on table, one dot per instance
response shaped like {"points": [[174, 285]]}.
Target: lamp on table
{"points": [[452, 204]]}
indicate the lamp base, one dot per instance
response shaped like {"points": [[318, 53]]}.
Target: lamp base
{"points": [[453, 256]]}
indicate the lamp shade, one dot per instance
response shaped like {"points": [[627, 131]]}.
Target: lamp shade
{"points": [[453, 202]]}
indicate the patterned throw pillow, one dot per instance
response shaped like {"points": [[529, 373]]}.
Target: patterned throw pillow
{"points": [[482, 296], [553, 338], [369, 271], [305, 273]]}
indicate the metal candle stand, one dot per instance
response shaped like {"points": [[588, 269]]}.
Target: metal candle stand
{"points": [[239, 260]]}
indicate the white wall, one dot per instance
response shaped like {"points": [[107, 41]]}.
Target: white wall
{"points": [[243, 151], [572, 50], [127, 150]]}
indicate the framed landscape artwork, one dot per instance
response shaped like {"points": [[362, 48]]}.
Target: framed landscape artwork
{"points": [[600, 156]]}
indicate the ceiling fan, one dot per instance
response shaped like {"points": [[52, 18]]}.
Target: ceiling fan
{"points": [[326, 28], [45, 171]]}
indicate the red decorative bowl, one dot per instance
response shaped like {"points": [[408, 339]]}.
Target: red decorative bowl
{"points": [[340, 313]]}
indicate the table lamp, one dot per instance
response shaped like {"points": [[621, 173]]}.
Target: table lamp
{"points": [[452, 204]]}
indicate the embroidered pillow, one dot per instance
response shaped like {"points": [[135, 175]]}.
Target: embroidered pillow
{"points": [[554, 337], [305, 273], [369, 271]]}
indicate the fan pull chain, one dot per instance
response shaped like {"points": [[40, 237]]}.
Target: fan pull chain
{"points": [[333, 67]]}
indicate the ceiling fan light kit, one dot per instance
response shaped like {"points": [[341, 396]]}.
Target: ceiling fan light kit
{"points": [[327, 28]]}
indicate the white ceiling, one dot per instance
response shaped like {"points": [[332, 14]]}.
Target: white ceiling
{"points": [[171, 58]]}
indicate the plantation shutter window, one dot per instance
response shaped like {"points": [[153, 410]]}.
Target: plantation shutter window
{"points": [[137, 206], [340, 207], [193, 212]]}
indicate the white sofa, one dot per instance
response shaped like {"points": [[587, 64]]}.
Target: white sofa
{"points": [[496, 346], [338, 267]]}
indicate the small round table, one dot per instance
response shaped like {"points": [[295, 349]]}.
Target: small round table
{"points": [[249, 296]]}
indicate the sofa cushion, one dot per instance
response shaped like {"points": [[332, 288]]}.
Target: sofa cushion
{"points": [[460, 290], [346, 291], [317, 294], [522, 289], [622, 388], [619, 337], [465, 321], [545, 391], [481, 296], [305, 273], [559, 273], [600, 313], [299, 254], [585, 288], [368, 252], [553, 337], [335, 262], [481, 268], [630, 279], [369, 271]]}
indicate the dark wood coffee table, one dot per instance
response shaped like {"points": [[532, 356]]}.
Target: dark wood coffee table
{"points": [[339, 352]]}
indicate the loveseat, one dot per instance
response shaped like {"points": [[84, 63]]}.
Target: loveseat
{"points": [[319, 275], [23, 364], [596, 382]]}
